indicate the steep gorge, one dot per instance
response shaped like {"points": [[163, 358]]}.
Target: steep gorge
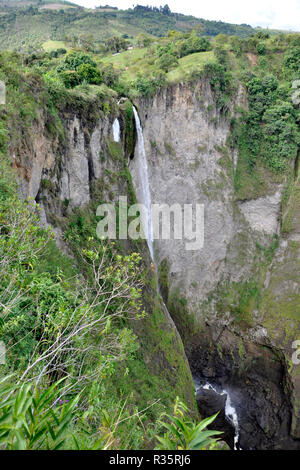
{"points": [[236, 301], [234, 306], [69, 175]]}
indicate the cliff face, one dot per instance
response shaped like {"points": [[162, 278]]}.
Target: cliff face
{"points": [[66, 166], [235, 301], [75, 171], [190, 162]]}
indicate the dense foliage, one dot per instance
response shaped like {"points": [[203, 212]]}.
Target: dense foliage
{"points": [[184, 434]]}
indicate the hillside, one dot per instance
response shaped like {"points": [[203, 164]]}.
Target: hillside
{"points": [[29, 24], [104, 336]]}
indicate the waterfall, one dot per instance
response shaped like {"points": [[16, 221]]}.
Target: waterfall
{"points": [[116, 130], [144, 182], [230, 411]]}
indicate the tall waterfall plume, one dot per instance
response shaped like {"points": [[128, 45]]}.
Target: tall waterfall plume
{"points": [[116, 130], [144, 182]]}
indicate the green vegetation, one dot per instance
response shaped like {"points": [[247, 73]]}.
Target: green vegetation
{"points": [[29, 421], [55, 327], [34, 419], [45, 301], [29, 25], [183, 434], [106, 362], [270, 129]]}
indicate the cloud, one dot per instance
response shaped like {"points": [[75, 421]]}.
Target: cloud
{"points": [[275, 14]]}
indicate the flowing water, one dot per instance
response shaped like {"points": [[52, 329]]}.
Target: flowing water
{"points": [[144, 182], [230, 411], [116, 130]]}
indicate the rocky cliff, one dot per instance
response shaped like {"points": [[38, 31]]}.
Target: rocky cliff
{"points": [[235, 301], [68, 173]]}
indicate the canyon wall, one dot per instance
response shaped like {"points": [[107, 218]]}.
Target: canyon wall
{"points": [[68, 175], [236, 300]]}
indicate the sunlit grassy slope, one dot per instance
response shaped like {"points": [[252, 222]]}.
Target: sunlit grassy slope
{"points": [[49, 46], [136, 61], [189, 64]]}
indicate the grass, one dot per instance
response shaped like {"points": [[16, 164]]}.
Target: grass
{"points": [[122, 59], [49, 46], [136, 61], [130, 63], [189, 64]]}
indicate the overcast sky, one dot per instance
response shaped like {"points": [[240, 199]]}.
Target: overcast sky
{"points": [[278, 14]]}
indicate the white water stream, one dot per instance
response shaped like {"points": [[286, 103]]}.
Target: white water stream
{"points": [[144, 181], [116, 130], [230, 411]]}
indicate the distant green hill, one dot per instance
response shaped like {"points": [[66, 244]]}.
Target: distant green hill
{"points": [[30, 23]]}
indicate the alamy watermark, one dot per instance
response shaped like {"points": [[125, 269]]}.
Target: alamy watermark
{"points": [[296, 92], [160, 221], [296, 354], [2, 92]]}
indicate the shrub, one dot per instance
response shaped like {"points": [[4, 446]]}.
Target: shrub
{"points": [[73, 60], [70, 78], [261, 48], [147, 86], [194, 44], [110, 75], [184, 434], [291, 60], [32, 418], [89, 73], [166, 62]]}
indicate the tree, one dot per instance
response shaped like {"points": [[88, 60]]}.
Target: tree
{"points": [[74, 59], [110, 75], [89, 73], [87, 42], [78, 67], [291, 59], [143, 40], [165, 10], [261, 48], [166, 62], [115, 44], [221, 39], [194, 43], [70, 78]]}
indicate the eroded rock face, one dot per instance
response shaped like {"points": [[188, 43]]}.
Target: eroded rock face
{"points": [[263, 214], [35, 157], [189, 161], [279, 310], [66, 168], [75, 175]]}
